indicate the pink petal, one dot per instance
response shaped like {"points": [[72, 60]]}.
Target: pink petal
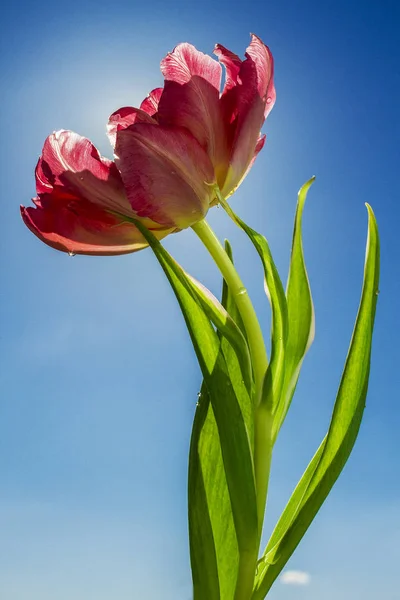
{"points": [[232, 65], [258, 148], [150, 104], [43, 176], [70, 161], [77, 226], [261, 56], [167, 175], [246, 100], [191, 99], [186, 62], [123, 117]]}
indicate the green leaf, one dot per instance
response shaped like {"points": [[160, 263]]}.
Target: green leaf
{"points": [[231, 431], [211, 527], [300, 315], [279, 323], [230, 355], [214, 551], [331, 456], [227, 328], [227, 300], [270, 393]]}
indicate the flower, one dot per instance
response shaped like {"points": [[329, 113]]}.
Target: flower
{"points": [[82, 205], [170, 155], [226, 125]]}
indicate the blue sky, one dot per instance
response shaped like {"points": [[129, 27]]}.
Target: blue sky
{"points": [[98, 377]]}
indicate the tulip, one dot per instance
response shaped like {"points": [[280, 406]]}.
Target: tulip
{"points": [[186, 145], [226, 125], [82, 205]]}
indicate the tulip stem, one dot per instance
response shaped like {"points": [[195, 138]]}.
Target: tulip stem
{"points": [[263, 422], [258, 353], [242, 300], [262, 417]]}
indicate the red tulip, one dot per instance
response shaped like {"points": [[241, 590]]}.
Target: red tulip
{"points": [[170, 155], [226, 125]]}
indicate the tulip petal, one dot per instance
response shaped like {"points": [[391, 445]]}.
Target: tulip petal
{"points": [[261, 56], [75, 225], [186, 62], [247, 98], [257, 72], [167, 175], [44, 177], [123, 117], [191, 99], [150, 104], [70, 161], [232, 65], [259, 147]]}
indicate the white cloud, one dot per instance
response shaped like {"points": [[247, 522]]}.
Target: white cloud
{"points": [[295, 578]]}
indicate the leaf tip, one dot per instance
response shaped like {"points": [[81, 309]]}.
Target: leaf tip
{"points": [[306, 186], [369, 209], [371, 218], [228, 249]]}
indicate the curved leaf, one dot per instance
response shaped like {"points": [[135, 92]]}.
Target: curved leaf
{"points": [[279, 324], [330, 458], [300, 315], [226, 326], [233, 427]]}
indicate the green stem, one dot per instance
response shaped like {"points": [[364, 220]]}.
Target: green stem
{"points": [[262, 458], [263, 422], [263, 419], [245, 576], [241, 298], [262, 416]]}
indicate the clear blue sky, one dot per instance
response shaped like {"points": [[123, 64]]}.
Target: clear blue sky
{"points": [[98, 377]]}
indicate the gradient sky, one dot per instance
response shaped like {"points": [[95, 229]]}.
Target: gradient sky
{"points": [[98, 376]]}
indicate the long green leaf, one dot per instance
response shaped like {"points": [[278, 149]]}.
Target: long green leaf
{"points": [[330, 458], [279, 324], [231, 356], [233, 427], [300, 315], [246, 566], [227, 328], [210, 512], [268, 400], [214, 551], [227, 300]]}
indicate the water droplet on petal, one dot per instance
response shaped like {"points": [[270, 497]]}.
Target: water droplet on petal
{"points": [[71, 253]]}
